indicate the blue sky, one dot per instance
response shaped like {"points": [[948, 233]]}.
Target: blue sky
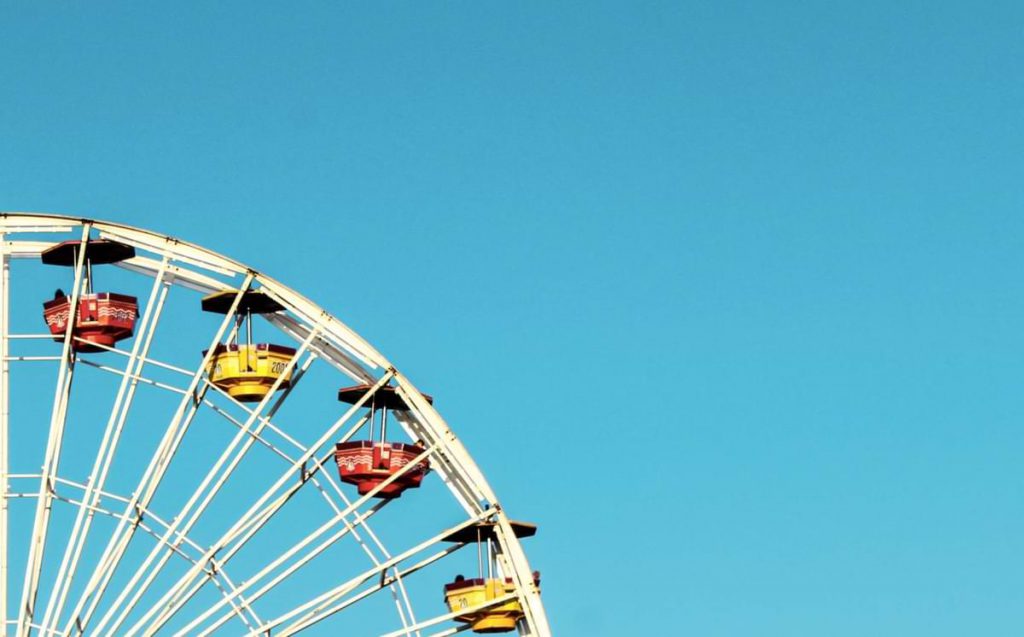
{"points": [[725, 296]]}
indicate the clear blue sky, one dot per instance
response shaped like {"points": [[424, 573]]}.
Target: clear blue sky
{"points": [[726, 296]]}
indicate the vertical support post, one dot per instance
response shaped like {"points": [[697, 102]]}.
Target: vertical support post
{"points": [[5, 277], [58, 418], [108, 446], [479, 554]]}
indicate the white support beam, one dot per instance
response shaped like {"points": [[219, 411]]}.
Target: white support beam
{"points": [[514, 564], [146, 513], [398, 590], [511, 551], [472, 495], [386, 580], [193, 509], [257, 516], [17, 222], [334, 355], [180, 250], [275, 564], [5, 410], [51, 460], [317, 608], [221, 579], [315, 316], [150, 481], [176, 274], [108, 446]]}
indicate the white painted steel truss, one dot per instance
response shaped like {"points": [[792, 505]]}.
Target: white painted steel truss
{"points": [[110, 548]]}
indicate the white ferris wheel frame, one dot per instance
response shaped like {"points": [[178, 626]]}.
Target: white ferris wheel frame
{"points": [[172, 262]]}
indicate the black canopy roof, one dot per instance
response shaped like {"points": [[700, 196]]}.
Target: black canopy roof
{"points": [[98, 251], [485, 531], [386, 397], [253, 301]]}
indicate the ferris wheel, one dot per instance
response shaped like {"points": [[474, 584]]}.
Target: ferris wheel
{"points": [[188, 447]]}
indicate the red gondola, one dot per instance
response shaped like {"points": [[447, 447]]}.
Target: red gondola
{"points": [[101, 318], [368, 463]]}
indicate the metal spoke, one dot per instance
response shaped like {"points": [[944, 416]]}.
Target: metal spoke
{"points": [[201, 498], [384, 581], [223, 582], [105, 454], [256, 516], [5, 409], [119, 540], [65, 375], [324, 604]]}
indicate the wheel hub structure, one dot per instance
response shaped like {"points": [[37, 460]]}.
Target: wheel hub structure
{"points": [[188, 447]]}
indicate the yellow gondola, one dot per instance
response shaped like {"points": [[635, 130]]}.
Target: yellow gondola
{"points": [[247, 372], [470, 594]]}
